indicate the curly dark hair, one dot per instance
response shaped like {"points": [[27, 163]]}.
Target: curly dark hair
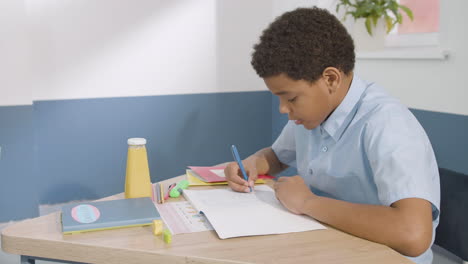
{"points": [[301, 44]]}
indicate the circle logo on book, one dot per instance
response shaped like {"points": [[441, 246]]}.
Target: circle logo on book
{"points": [[85, 213]]}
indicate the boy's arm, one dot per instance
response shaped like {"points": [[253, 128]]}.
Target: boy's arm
{"points": [[262, 162], [405, 226], [266, 162]]}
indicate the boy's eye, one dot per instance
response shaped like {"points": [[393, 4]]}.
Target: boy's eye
{"points": [[292, 99]]}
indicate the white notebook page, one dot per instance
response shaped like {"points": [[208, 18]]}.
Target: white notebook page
{"points": [[234, 214]]}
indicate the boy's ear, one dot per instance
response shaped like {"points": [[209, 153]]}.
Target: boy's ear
{"points": [[332, 78]]}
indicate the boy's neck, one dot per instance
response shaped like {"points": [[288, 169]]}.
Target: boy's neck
{"points": [[342, 90], [344, 87]]}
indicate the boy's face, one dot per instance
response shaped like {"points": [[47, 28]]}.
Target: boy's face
{"points": [[309, 104]]}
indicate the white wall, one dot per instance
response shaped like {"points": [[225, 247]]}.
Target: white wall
{"points": [[435, 85], [68, 49], [64, 49], [239, 26], [14, 54], [114, 48]]}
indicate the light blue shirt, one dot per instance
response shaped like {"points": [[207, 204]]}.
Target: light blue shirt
{"points": [[371, 150]]}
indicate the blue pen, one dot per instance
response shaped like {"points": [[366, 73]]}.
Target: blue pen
{"points": [[237, 158]]}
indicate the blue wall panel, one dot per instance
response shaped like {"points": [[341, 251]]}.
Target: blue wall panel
{"points": [[449, 137], [18, 186], [82, 143], [58, 151]]}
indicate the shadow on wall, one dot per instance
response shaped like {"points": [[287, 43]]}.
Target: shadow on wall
{"points": [[84, 36]]}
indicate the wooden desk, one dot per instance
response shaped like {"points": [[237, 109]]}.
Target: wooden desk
{"points": [[41, 237]]}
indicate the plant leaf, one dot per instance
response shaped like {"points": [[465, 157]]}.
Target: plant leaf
{"points": [[373, 10], [375, 19], [399, 18], [408, 12], [368, 26], [389, 23]]}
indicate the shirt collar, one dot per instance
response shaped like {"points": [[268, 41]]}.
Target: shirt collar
{"points": [[342, 116]]}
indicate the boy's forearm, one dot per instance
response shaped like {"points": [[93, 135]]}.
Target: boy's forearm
{"points": [[382, 224], [267, 162]]}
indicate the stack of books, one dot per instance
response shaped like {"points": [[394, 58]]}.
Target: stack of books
{"points": [[101, 215], [198, 176]]}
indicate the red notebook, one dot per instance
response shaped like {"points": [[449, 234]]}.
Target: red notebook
{"points": [[216, 173]]}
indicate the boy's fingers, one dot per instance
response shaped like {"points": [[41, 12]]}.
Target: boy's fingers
{"points": [[231, 166], [238, 187], [253, 175], [279, 182], [231, 173]]}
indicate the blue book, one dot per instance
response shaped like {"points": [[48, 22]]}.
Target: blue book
{"points": [[93, 216]]}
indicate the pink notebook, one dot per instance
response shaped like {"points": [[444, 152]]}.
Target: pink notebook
{"points": [[216, 173]]}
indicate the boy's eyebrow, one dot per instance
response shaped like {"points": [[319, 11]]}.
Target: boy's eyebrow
{"points": [[281, 93]]}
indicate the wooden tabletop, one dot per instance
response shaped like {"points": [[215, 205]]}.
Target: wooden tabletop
{"points": [[42, 237]]}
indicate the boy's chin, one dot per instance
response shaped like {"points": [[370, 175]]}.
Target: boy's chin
{"points": [[309, 125]]}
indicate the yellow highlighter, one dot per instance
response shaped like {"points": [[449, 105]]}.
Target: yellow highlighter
{"points": [[159, 229]]}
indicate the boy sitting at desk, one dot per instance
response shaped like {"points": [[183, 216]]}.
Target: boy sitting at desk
{"points": [[365, 164]]}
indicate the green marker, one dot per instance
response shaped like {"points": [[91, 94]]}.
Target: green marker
{"points": [[177, 190]]}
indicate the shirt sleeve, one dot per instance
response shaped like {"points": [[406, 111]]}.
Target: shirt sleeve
{"points": [[285, 146], [401, 158]]}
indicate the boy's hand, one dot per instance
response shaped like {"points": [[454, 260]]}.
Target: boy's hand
{"points": [[236, 180], [292, 192]]}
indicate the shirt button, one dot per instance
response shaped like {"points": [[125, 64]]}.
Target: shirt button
{"points": [[324, 149]]}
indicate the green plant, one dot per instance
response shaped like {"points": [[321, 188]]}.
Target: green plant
{"points": [[373, 10]]}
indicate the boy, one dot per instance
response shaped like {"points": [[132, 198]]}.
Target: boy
{"points": [[365, 164]]}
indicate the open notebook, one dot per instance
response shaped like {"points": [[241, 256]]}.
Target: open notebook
{"points": [[234, 214]]}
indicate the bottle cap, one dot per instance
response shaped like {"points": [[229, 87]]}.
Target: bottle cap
{"points": [[136, 141]]}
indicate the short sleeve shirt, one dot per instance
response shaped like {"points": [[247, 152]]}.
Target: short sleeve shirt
{"points": [[371, 150]]}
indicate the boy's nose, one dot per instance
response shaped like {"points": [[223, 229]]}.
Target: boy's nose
{"points": [[283, 109]]}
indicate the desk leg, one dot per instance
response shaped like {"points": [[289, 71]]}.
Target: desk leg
{"points": [[27, 260]]}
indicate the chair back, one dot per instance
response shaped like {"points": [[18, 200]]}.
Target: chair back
{"points": [[452, 231]]}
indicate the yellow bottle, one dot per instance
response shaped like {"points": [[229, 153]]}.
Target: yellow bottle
{"points": [[137, 178]]}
